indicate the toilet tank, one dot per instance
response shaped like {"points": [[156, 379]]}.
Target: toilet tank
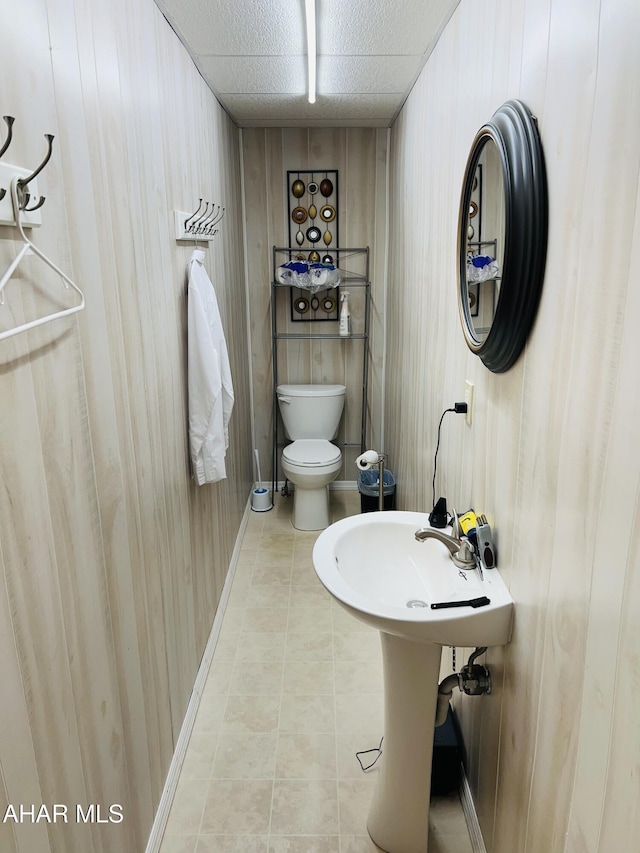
{"points": [[311, 411]]}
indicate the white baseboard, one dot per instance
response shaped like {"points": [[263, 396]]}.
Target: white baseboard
{"points": [[171, 782], [471, 815]]}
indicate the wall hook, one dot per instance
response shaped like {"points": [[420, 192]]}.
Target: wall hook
{"points": [[193, 216], [35, 206], [22, 182], [9, 120]]}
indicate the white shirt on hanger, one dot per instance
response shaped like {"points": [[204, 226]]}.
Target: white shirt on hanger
{"points": [[209, 377]]}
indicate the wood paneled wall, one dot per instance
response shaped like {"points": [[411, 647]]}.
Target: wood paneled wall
{"points": [[360, 155], [552, 455], [111, 560]]}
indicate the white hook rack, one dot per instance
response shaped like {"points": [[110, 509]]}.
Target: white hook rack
{"points": [[202, 224]]}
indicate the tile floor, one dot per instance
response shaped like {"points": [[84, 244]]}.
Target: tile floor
{"points": [[293, 691]]}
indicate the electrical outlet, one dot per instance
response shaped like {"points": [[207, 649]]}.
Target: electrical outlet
{"points": [[468, 398]]}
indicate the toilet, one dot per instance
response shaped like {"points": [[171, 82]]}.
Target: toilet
{"points": [[311, 416]]}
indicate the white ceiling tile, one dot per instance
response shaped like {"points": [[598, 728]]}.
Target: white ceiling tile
{"points": [[378, 27], [292, 107], [239, 27], [255, 74], [381, 74]]}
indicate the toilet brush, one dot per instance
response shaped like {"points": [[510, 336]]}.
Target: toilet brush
{"points": [[260, 500]]}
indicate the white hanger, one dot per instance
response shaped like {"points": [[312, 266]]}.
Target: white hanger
{"points": [[30, 248]]}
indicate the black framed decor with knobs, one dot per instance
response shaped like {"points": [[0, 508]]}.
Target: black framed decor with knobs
{"points": [[314, 235]]}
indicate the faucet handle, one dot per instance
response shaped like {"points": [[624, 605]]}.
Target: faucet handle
{"points": [[456, 524], [465, 556]]}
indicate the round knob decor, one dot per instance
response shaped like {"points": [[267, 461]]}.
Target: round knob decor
{"points": [[297, 188], [314, 257], [299, 215], [312, 188], [326, 187], [313, 234], [327, 213]]}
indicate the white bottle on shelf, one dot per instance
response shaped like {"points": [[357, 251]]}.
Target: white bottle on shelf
{"points": [[344, 326]]}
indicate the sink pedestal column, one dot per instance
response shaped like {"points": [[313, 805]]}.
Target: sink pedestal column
{"points": [[399, 816]]}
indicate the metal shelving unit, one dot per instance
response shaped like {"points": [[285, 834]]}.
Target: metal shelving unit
{"points": [[354, 279]]}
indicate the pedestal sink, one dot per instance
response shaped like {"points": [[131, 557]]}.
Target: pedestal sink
{"points": [[374, 567]]}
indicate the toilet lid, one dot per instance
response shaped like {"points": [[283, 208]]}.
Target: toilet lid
{"points": [[311, 452]]}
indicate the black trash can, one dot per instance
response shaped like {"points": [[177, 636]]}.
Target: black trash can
{"points": [[369, 489]]}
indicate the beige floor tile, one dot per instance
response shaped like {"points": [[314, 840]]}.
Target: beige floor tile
{"points": [[348, 743], [272, 570], [306, 756], [304, 807], [343, 621], [232, 844], [311, 618], [357, 645], [178, 844], [364, 712], [241, 755], [303, 573], [187, 807], [199, 758], [264, 645], [309, 595], [269, 595], [362, 676], [259, 620], [359, 844], [354, 801], [237, 807], [301, 677], [219, 678], [255, 714], [299, 713], [210, 713], [233, 618], [304, 844], [226, 645], [253, 678], [308, 646]]}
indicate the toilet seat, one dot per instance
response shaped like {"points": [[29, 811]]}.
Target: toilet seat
{"points": [[311, 453]]}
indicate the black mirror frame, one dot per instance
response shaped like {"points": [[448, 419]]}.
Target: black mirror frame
{"points": [[514, 132]]}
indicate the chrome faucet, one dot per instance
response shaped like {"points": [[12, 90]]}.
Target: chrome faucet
{"points": [[461, 550]]}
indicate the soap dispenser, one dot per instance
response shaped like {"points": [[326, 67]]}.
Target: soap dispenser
{"points": [[344, 327]]}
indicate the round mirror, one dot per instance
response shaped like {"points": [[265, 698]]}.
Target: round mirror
{"points": [[502, 236]]}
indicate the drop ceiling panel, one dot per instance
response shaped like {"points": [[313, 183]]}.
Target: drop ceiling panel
{"points": [[288, 107], [378, 27], [256, 74], [253, 56], [366, 74]]}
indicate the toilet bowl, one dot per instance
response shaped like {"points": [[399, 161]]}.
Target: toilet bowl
{"points": [[311, 416]]}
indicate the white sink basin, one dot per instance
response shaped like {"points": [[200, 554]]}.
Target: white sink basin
{"points": [[374, 566]]}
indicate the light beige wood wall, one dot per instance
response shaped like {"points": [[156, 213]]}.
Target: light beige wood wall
{"points": [[360, 156], [552, 455], [111, 560]]}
